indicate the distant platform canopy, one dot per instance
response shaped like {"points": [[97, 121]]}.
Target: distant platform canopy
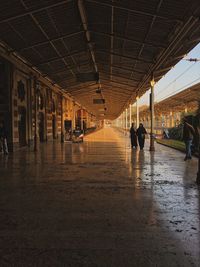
{"points": [[188, 99], [123, 41]]}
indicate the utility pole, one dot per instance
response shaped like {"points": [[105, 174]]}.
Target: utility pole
{"points": [[126, 120], [62, 120], [137, 112]]}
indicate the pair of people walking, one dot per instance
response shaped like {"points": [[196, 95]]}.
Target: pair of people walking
{"points": [[138, 136]]}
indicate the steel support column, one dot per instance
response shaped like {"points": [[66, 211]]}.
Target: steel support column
{"points": [[62, 122], [126, 120], [130, 115], [81, 119], [73, 117], [152, 147], [123, 120], [137, 112]]}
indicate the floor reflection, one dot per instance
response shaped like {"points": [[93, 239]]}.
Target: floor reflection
{"points": [[99, 203]]}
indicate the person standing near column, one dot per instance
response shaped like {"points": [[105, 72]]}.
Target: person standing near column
{"points": [[188, 135], [133, 136], [141, 131], [3, 139]]}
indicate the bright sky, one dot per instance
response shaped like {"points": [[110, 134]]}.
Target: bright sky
{"points": [[182, 76]]}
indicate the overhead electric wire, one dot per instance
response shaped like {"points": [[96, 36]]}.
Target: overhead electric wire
{"points": [[185, 71], [180, 89]]}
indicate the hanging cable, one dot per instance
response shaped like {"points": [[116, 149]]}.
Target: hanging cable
{"points": [[185, 71], [180, 89]]}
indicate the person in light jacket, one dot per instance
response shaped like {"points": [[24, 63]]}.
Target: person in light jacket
{"points": [[188, 135]]}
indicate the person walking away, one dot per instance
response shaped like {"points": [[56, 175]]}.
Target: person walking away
{"points": [[133, 136], [165, 134], [188, 135], [3, 139], [141, 131]]}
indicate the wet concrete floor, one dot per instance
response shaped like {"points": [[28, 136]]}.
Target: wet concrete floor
{"points": [[99, 204]]}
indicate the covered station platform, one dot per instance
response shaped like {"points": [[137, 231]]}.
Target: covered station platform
{"points": [[69, 65]]}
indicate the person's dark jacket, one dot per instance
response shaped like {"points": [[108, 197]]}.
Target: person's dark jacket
{"points": [[141, 131], [188, 131], [132, 131]]}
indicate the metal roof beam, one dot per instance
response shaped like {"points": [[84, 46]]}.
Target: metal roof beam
{"points": [[118, 75], [49, 40], [104, 88], [59, 58], [92, 93], [114, 81], [125, 69], [110, 91], [113, 96], [34, 10], [106, 91], [163, 69], [111, 41], [139, 12], [81, 90], [85, 86], [124, 38], [116, 87], [46, 35], [81, 93], [63, 70], [147, 34], [127, 57], [84, 21]]}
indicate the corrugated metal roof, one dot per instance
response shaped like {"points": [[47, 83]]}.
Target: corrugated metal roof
{"points": [[129, 39]]}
